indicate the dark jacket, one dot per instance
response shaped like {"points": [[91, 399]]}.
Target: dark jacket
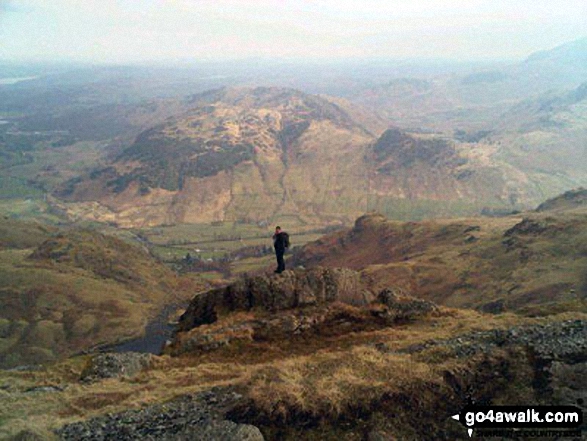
{"points": [[280, 241]]}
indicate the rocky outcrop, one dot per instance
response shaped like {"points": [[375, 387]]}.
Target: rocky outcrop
{"points": [[404, 308], [556, 353], [527, 227], [317, 301], [126, 364], [288, 290], [565, 340], [199, 417], [332, 319], [523, 365]]}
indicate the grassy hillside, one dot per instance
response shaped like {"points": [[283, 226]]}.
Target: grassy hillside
{"points": [[533, 263], [305, 388], [268, 154], [63, 291], [239, 154], [569, 200]]}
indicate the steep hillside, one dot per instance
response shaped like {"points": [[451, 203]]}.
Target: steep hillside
{"points": [[239, 154], [563, 66], [266, 153], [548, 111], [545, 139], [63, 291], [443, 176], [573, 199], [533, 263], [20, 235]]}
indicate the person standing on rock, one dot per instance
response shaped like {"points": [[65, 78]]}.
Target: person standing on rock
{"points": [[280, 243]]}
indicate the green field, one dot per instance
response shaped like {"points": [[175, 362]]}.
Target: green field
{"points": [[170, 244], [217, 241]]}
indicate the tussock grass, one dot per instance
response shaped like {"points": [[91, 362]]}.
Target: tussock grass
{"points": [[325, 385], [316, 378]]}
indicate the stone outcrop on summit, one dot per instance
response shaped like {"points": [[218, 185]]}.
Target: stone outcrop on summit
{"points": [[300, 302]]}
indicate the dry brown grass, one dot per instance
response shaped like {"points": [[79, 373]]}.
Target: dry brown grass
{"points": [[469, 263], [320, 376], [100, 400], [316, 378], [325, 385]]}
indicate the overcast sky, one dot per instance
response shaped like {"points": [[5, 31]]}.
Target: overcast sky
{"points": [[157, 30]]}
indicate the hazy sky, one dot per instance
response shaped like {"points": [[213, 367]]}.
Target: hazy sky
{"points": [[157, 30]]}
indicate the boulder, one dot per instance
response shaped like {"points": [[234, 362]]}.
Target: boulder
{"points": [[198, 417], [113, 365], [401, 307], [223, 431]]}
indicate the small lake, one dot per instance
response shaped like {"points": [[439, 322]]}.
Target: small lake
{"points": [[14, 80], [157, 333]]}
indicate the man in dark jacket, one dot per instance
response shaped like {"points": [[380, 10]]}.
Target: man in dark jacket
{"points": [[280, 243]]}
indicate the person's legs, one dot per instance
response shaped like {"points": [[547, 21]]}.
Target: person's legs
{"points": [[280, 262]]}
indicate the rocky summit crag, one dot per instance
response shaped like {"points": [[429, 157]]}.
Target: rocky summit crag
{"points": [[299, 302]]}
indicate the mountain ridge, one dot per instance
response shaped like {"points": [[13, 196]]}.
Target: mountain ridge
{"points": [[252, 154], [492, 264]]}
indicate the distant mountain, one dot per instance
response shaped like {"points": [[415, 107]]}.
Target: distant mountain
{"points": [[564, 65], [467, 101], [238, 153], [545, 112], [544, 137], [252, 154], [529, 117]]}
